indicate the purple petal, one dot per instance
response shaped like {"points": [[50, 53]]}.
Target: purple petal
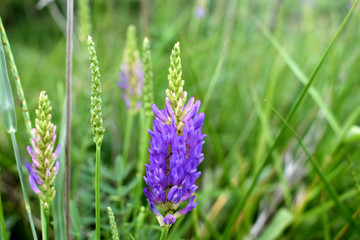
{"points": [[189, 104], [57, 167], [153, 208], [149, 195], [48, 173], [168, 108], [169, 219], [189, 207], [33, 185], [33, 174], [57, 152], [158, 113], [30, 151], [193, 111]]}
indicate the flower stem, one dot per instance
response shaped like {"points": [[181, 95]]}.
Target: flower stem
{"points": [[21, 176], [128, 130], [127, 138], [164, 233], [97, 191], [45, 221], [2, 221]]}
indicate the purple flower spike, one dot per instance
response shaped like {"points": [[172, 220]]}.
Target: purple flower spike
{"points": [[44, 167], [174, 158], [131, 83]]}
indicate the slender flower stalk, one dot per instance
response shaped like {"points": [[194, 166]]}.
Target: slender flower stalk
{"points": [[96, 124], [7, 112], [176, 150]]}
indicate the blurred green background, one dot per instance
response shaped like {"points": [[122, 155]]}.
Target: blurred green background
{"points": [[231, 62]]}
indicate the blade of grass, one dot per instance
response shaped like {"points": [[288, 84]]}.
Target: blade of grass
{"points": [[21, 176], [302, 77], [58, 209], [16, 77], [345, 212], [69, 44], [2, 221], [289, 116]]}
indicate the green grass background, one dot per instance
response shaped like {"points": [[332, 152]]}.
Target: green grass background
{"points": [[239, 54]]}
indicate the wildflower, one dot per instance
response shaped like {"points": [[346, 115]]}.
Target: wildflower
{"points": [[44, 167], [176, 150], [131, 73]]}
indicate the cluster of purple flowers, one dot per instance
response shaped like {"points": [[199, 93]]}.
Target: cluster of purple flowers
{"points": [[44, 166], [132, 81], [174, 158]]}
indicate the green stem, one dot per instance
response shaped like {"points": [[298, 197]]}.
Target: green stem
{"points": [[21, 176], [124, 159], [45, 221], [145, 123], [15, 74], [2, 221], [97, 191], [128, 130], [164, 233]]}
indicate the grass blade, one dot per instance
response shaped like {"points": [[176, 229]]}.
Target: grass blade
{"points": [[2, 221], [69, 44], [58, 203], [16, 77]]}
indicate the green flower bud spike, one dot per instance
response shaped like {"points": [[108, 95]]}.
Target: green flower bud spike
{"points": [[175, 93], [96, 125], [114, 232], [131, 52], [148, 79], [96, 118]]}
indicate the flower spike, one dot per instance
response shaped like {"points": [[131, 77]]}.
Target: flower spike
{"points": [[44, 167], [176, 150]]}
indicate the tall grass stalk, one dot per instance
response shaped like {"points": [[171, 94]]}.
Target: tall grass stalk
{"points": [[240, 206], [69, 44], [2, 221]]}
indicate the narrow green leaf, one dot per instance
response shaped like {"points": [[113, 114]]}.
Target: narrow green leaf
{"points": [[278, 224], [7, 109], [58, 203]]}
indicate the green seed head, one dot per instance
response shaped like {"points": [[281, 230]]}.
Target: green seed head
{"points": [[95, 111], [148, 97]]}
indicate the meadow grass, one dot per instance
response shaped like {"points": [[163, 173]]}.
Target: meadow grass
{"points": [[299, 173]]}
